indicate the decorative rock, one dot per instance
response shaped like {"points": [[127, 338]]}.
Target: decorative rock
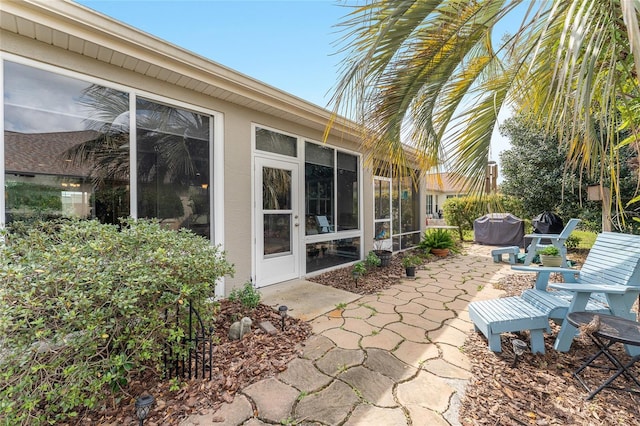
{"points": [[268, 327], [240, 328]]}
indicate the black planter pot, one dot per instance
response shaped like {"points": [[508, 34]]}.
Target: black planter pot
{"points": [[384, 256], [411, 271]]}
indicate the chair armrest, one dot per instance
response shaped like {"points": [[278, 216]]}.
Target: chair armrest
{"points": [[543, 236], [548, 269], [595, 288]]}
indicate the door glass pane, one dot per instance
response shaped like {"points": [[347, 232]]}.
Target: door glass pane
{"points": [[276, 189], [382, 190], [269, 141], [277, 234]]}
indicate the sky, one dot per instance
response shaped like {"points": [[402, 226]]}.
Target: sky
{"points": [[292, 45]]}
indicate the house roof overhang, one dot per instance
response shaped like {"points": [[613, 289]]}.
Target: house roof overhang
{"points": [[73, 27]]}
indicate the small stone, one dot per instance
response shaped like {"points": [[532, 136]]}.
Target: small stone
{"points": [[268, 327]]}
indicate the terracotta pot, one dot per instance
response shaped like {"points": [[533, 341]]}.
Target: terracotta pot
{"points": [[440, 252]]}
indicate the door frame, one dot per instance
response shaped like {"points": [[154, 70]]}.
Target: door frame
{"points": [[290, 264]]}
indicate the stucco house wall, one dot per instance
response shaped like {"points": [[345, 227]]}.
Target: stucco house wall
{"points": [[64, 37]]}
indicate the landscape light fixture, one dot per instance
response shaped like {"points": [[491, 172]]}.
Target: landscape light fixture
{"points": [[518, 348], [143, 405], [283, 313]]}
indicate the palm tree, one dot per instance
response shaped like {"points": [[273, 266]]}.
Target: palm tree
{"points": [[425, 76]]}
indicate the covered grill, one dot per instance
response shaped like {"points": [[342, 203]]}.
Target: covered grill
{"points": [[499, 229]]}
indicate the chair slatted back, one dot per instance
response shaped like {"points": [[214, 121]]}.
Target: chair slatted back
{"points": [[613, 259]]}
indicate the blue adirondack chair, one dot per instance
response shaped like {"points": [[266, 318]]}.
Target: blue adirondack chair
{"points": [[557, 240], [608, 282]]}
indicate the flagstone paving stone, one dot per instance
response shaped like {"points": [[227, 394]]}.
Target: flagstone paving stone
{"points": [[316, 346], [425, 390], [339, 359], [343, 338], [359, 326], [302, 374], [373, 387], [442, 368], [380, 320], [416, 353], [409, 332], [384, 339], [272, 398], [387, 364], [366, 415], [329, 406]]}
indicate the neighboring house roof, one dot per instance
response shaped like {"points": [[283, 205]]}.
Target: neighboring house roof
{"points": [[73, 27], [445, 183], [39, 153]]}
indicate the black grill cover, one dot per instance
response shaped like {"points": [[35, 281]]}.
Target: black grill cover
{"points": [[499, 229], [547, 223]]}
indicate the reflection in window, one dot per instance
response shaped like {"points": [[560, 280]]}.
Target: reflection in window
{"points": [[332, 253], [63, 151], [173, 166], [331, 193], [276, 189], [382, 208], [319, 194], [348, 200], [67, 145], [278, 143]]}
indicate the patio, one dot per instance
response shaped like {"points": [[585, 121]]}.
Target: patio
{"points": [[408, 355]]}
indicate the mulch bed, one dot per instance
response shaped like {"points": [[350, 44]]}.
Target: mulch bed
{"points": [[236, 364]]}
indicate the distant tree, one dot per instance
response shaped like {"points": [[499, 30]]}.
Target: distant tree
{"points": [[534, 170]]}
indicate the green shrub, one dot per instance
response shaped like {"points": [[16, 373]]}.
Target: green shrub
{"points": [[372, 260], [248, 295], [359, 269], [82, 309], [438, 239]]}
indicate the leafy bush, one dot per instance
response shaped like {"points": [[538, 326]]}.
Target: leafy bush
{"points": [[248, 295], [372, 259], [82, 308], [359, 269], [438, 239]]}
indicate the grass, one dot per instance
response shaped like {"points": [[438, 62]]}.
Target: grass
{"points": [[586, 238]]}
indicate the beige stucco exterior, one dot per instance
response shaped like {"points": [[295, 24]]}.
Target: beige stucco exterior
{"points": [[70, 37]]}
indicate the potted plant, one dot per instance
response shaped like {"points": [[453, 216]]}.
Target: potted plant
{"points": [[550, 256], [383, 255], [438, 241], [410, 263]]}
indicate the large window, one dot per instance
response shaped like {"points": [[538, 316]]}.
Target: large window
{"points": [[173, 166], [396, 211], [331, 193], [67, 145]]}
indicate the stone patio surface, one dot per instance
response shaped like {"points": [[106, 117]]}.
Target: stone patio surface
{"points": [[393, 358]]}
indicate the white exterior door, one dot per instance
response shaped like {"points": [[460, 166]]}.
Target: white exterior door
{"points": [[277, 227]]}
